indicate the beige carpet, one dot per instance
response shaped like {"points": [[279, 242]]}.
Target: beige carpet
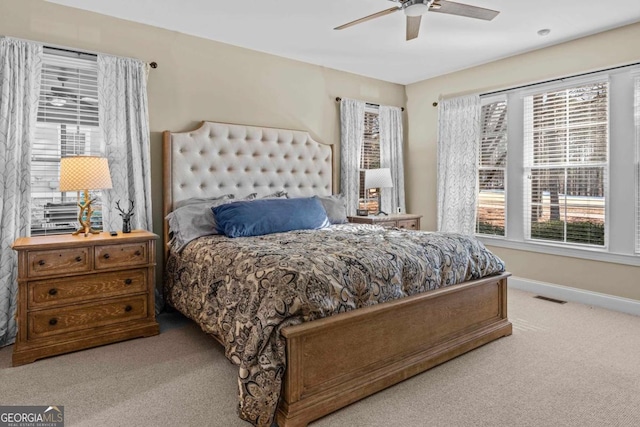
{"points": [[564, 365]]}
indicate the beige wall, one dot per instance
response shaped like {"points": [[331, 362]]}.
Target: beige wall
{"points": [[603, 50], [199, 79]]}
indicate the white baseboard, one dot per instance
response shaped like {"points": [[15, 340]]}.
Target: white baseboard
{"points": [[624, 305]]}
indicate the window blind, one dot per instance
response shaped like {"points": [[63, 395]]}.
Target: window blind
{"points": [[566, 143], [637, 158], [369, 159], [492, 162], [67, 125]]}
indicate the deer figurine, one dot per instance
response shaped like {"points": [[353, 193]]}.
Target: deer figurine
{"points": [[126, 216]]}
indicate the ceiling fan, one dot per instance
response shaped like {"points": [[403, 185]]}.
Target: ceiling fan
{"points": [[414, 9], [62, 95]]}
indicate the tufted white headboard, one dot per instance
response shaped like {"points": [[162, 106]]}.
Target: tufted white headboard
{"points": [[222, 158]]}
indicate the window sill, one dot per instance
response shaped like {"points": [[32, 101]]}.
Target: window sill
{"points": [[551, 249]]}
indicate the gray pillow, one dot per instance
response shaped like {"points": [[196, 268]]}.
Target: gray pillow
{"points": [[193, 220], [200, 200], [336, 208]]}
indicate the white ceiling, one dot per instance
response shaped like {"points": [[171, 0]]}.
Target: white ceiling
{"points": [[303, 30]]}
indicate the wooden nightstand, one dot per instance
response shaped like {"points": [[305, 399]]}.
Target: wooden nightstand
{"points": [[408, 221], [76, 292]]}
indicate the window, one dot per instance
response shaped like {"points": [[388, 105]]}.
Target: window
{"points": [[369, 159], [492, 160], [67, 125], [566, 141], [573, 154]]}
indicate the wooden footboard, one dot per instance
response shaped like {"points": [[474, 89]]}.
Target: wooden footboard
{"points": [[338, 360]]}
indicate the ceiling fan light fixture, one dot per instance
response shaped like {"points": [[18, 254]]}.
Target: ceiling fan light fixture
{"points": [[416, 7]]}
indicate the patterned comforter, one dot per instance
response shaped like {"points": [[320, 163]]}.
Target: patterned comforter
{"points": [[245, 290]]}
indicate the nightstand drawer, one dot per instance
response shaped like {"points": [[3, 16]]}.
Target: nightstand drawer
{"points": [[45, 323], [52, 292], [410, 224], [406, 221], [121, 255], [386, 224], [61, 261]]}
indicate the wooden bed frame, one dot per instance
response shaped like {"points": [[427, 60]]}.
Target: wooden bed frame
{"points": [[335, 361]]}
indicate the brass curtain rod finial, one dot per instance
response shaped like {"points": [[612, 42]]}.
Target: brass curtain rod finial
{"points": [[435, 104], [153, 65]]}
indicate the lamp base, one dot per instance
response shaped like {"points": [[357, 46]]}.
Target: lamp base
{"points": [[86, 231], [84, 217]]}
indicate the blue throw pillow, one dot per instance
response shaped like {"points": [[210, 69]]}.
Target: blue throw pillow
{"points": [[266, 216]]}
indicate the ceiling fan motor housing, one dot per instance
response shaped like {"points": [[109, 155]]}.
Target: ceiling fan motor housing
{"points": [[416, 7]]}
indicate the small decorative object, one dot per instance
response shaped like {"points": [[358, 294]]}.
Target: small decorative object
{"points": [[84, 173], [362, 212], [126, 216]]}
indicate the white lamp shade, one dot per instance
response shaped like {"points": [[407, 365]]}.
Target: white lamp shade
{"points": [[378, 178], [84, 173]]}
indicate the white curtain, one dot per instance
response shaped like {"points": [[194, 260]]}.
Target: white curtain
{"points": [[20, 67], [391, 140], [351, 137], [458, 139], [124, 121]]}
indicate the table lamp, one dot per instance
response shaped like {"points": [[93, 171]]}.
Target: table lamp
{"points": [[84, 173], [377, 178]]}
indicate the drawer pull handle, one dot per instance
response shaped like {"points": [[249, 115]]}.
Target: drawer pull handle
{"points": [[53, 291], [128, 308], [106, 256], [128, 281], [78, 258], [137, 253], [41, 262], [53, 321]]}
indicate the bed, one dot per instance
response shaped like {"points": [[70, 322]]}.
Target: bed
{"points": [[375, 306]]}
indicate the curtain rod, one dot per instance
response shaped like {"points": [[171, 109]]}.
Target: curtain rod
{"points": [[558, 79], [70, 50], [66, 49], [371, 104]]}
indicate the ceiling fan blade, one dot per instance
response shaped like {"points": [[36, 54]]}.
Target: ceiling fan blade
{"points": [[367, 18], [413, 26], [460, 9]]}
